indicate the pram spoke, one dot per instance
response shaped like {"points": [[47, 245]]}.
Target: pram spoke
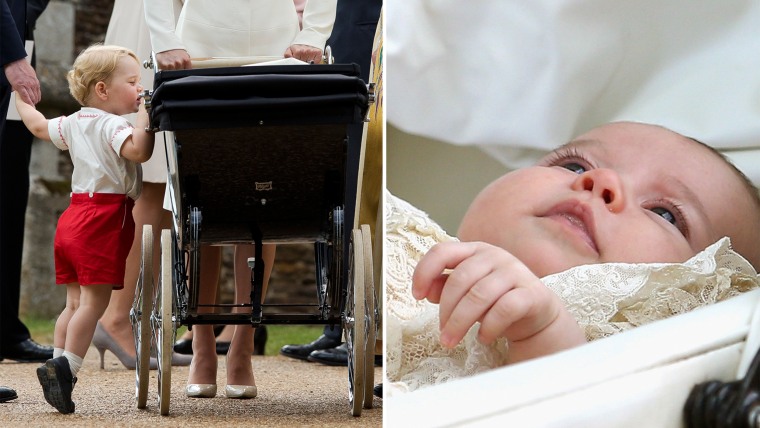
{"points": [[140, 317], [353, 323], [370, 314], [336, 263], [162, 322]]}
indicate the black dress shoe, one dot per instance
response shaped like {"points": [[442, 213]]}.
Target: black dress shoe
{"points": [[27, 351], [302, 352], [184, 346], [337, 356], [7, 394], [222, 348], [378, 390]]}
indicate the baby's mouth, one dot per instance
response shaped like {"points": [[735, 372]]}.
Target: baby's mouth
{"points": [[578, 218]]}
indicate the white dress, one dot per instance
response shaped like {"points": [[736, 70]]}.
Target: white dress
{"points": [[605, 299], [254, 28]]}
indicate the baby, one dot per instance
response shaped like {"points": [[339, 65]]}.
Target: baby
{"points": [[94, 234], [623, 192]]}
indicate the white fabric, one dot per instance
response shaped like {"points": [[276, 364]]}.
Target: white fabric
{"points": [[94, 138], [639, 378], [604, 298], [511, 75], [127, 28], [238, 27]]}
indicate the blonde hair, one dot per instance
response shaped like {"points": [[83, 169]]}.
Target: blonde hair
{"points": [[95, 64]]}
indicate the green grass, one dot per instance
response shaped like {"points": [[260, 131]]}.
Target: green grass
{"points": [[41, 329], [278, 335]]}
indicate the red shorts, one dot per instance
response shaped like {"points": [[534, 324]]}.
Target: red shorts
{"points": [[93, 238]]}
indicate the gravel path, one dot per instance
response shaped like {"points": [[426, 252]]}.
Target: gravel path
{"points": [[291, 393]]}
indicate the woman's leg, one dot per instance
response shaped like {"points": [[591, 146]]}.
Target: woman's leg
{"points": [[239, 367], [148, 209], [203, 366]]}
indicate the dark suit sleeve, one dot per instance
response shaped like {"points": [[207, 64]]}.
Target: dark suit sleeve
{"points": [[34, 9], [11, 42]]}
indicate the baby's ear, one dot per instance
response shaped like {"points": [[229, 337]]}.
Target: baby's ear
{"points": [[101, 91]]}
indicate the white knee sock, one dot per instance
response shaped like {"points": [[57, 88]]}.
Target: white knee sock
{"points": [[57, 352], [75, 362]]}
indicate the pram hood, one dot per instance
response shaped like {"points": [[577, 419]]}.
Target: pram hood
{"points": [[258, 96]]}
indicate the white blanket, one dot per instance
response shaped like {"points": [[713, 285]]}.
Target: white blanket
{"points": [[511, 75]]}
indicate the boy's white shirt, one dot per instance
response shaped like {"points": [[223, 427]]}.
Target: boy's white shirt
{"points": [[94, 138], [605, 299]]}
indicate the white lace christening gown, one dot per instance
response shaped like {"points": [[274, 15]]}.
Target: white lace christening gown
{"points": [[605, 299]]}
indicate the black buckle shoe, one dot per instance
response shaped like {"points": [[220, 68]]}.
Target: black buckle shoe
{"points": [[7, 394], [57, 383], [27, 351], [302, 352]]}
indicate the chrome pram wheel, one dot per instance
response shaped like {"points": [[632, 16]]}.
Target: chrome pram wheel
{"points": [[162, 322], [370, 326], [353, 323], [139, 316]]}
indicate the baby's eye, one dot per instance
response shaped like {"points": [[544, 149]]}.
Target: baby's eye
{"points": [[574, 167], [667, 215]]}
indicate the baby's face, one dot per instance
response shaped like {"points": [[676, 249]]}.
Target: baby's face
{"points": [[623, 192], [124, 88]]}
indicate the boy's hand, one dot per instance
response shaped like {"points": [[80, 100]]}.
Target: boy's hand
{"points": [[489, 285], [33, 119]]}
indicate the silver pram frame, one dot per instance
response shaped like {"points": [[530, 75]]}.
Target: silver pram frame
{"points": [[258, 155]]}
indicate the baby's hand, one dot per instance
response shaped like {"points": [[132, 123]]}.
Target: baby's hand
{"points": [[484, 284]]}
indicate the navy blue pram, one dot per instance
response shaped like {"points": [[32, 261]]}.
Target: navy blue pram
{"points": [[259, 155]]}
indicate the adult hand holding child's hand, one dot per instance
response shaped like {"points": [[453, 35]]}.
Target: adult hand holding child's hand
{"points": [[478, 282]]}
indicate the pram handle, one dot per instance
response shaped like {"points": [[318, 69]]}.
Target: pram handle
{"points": [[238, 61]]}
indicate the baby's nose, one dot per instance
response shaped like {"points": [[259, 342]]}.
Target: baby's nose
{"points": [[605, 184]]}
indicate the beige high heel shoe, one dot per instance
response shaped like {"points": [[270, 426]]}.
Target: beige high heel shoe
{"points": [[240, 391], [101, 340], [201, 390]]}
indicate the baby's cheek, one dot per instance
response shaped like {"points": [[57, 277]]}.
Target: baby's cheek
{"points": [[652, 247]]}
